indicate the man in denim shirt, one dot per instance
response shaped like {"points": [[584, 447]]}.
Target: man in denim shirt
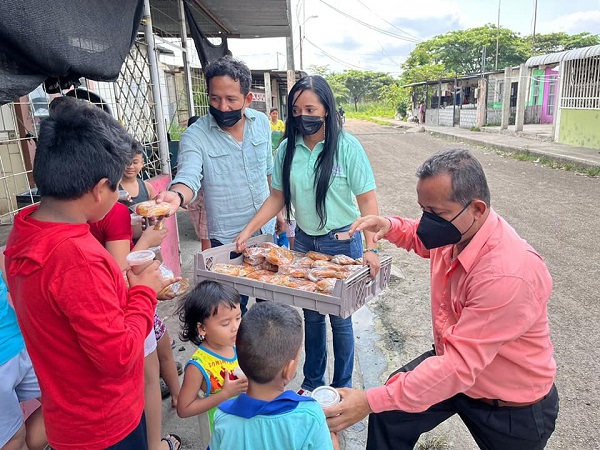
{"points": [[228, 152]]}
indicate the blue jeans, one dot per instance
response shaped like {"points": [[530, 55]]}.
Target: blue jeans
{"points": [[315, 340]]}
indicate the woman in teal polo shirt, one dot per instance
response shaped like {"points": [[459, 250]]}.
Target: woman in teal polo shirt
{"points": [[320, 170]]}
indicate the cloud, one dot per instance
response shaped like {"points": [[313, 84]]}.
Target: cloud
{"points": [[426, 27], [346, 43], [577, 22]]}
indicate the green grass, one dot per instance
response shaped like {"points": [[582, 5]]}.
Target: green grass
{"points": [[368, 111], [548, 162]]}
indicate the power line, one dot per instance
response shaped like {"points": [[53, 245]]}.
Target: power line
{"points": [[333, 58], [347, 64], [389, 23], [371, 27]]}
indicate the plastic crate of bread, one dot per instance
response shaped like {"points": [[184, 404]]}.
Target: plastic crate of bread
{"points": [[329, 284]]}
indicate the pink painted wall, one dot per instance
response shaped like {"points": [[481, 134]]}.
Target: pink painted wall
{"points": [[170, 245], [548, 75]]}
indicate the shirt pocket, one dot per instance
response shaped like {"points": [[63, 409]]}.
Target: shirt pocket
{"points": [[219, 160], [262, 149]]}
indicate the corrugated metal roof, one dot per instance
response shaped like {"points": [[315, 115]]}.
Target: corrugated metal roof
{"points": [[568, 55], [234, 18]]}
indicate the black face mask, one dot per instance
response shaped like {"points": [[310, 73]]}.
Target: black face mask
{"points": [[435, 231], [226, 119], [308, 125]]}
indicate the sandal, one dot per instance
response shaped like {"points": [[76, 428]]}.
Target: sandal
{"points": [[179, 367], [169, 438], [164, 389]]}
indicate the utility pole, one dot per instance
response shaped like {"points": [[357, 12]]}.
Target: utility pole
{"points": [[289, 50], [300, 40], [483, 57], [534, 24], [497, 36]]}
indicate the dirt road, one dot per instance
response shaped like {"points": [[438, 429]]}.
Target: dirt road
{"points": [[556, 211]]}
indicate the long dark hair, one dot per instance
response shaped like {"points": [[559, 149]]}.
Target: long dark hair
{"points": [[326, 159]]}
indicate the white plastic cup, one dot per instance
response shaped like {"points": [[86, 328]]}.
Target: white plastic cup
{"points": [[326, 396], [123, 195], [238, 373], [139, 260]]}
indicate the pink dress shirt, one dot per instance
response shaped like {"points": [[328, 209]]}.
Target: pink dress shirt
{"points": [[490, 322]]}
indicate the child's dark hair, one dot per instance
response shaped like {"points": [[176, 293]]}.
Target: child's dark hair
{"points": [[136, 149], [270, 335], [202, 302], [78, 145]]}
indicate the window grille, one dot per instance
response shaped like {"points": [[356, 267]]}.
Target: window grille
{"points": [[581, 84]]}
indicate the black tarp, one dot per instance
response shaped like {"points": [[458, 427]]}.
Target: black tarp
{"points": [[64, 39], [207, 51]]}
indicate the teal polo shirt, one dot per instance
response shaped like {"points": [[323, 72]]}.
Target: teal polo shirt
{"points": [[351, 176]]}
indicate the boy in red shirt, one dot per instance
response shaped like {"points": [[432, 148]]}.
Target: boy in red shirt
{"points": [[83, 328]]}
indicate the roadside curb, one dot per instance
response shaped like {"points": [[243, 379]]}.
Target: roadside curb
{"points": [[518, 149], [560, 153]]}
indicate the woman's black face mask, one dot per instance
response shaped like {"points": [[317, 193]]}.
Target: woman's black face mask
{"points": [[435, 231], [308, 125]]}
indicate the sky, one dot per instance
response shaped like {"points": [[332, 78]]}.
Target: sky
{"points": [[333, 39]]}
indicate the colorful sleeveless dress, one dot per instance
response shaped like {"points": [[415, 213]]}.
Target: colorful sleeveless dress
{"points": [[213, 366]]}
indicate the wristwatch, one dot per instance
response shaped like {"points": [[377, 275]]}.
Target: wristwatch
{"points": [[180, 195]]}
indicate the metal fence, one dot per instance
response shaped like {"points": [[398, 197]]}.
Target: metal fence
{"points": [[129, 100], [581, 84]]}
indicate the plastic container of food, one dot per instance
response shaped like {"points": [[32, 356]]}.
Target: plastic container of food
{"points": [[348, 295], [139, 260]]}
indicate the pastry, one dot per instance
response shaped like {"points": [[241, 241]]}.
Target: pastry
{"points": [[152, 209]]}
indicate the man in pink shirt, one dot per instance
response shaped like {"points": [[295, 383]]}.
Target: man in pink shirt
{"points": [[492, 362]]}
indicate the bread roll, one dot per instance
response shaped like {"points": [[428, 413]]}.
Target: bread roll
{"points": [[152, 209]]}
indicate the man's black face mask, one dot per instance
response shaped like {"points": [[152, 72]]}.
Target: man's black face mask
{"points": [[226, 119], [435, 231]]}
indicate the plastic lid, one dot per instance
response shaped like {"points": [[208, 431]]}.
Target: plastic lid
{"points": [[140, 257], [326, 396]]}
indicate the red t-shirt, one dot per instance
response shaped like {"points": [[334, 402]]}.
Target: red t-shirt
{"points": [[115, 226], [83, 330]]}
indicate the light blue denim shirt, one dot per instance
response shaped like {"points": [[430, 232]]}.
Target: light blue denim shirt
{"points": [[232, 174]]}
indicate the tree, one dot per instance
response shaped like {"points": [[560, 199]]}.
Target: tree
{"points": [[340, 92], [362, 85], [319, 70], [461, 51], [559, 42]]}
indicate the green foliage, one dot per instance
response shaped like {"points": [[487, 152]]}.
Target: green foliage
{"points": [[175, 132], [319, 70], [474, 128], [362, 85], [397, 97], [461, 51], [340, 92], [559, 42], [366, 111]]}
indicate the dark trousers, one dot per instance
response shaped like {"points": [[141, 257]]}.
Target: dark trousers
{"points": [[136, 440], [243, 298], [492, 427]]}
